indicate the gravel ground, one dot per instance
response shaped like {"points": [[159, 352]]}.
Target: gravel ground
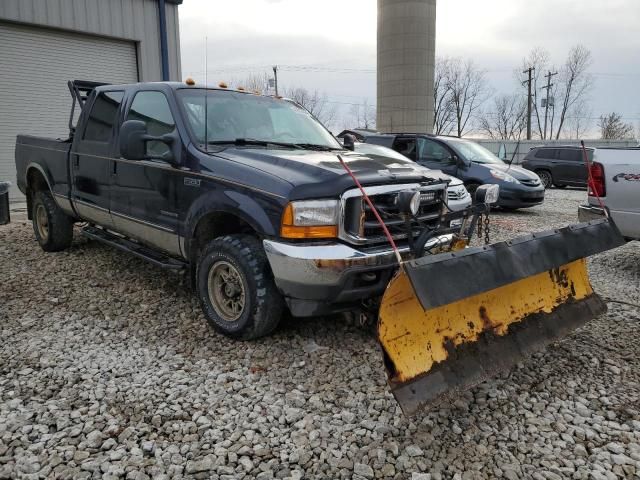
{"points": [[108, 369]]}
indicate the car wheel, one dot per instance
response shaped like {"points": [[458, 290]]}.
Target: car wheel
{"points": [[53, 228], [545, 178], [236, 288]]}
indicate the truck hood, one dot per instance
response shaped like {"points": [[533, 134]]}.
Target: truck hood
{"points": [[320, 174]]}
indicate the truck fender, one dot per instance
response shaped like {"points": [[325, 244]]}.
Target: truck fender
{"points": [[246, 208], [45, 174]]}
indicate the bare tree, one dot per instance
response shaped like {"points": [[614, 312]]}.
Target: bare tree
{"points": [[469, 90], [579, 120], [255, 82], [613, 128], [364, 115], [574, 84], [508, 120], [317, 103], [538, 59], [444, 114]]}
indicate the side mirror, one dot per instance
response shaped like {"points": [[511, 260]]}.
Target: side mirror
{"points": [[134, 138], [349, 142], [487, 194]]}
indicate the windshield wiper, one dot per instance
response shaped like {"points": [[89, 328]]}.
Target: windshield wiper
{"points": [[240, 142], [314, 146]]}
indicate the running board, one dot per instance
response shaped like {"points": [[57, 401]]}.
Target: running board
{"points": [[156, 258]]}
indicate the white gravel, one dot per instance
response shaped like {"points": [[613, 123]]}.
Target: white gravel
{"points": [[108, 370]]}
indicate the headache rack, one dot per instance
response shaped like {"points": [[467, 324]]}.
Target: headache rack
{"points": [[80, 91]]}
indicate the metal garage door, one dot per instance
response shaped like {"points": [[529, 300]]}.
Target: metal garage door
{"points": [[35, 64]]}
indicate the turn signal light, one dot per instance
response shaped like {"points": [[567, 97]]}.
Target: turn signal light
{"points": [[289, 230]]}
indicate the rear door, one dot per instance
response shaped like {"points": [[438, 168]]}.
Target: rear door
{"points": [[145, 192], [570, 167], [91, 158]]}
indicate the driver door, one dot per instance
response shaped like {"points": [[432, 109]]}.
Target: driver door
{"points": [[434, 155], [145, 192]]}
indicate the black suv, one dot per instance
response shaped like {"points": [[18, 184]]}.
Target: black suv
{"points": [[558, 166]]}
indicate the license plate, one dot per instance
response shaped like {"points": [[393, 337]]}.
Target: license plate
{"points": [[456, 223]]}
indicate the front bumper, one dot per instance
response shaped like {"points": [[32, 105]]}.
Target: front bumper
{"points": [[327, 278], [586, 213], [520, 196]]}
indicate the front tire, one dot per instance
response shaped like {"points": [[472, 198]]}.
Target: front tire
{"points": [[545, 178], [236, 289], [53, 228]]}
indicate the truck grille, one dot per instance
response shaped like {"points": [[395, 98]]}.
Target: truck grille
{"points": [[361, 226]]}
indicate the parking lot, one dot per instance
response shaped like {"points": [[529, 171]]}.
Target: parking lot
{"points": [[107, 367]]}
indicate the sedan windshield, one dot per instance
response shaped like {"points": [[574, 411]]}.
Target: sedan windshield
{"points": [[473, 152], [247, 119]]}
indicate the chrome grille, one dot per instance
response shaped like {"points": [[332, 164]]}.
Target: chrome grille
{"points": [[360, 226]]}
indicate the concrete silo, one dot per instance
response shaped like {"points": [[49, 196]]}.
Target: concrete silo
{"points": [[406, 59]]}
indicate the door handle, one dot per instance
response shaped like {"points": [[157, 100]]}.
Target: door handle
{"points": [[114, 167]]}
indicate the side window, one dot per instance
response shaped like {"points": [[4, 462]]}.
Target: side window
{"points": [[407, 147], [547, 153], [430, 151], [152, 108], [103, 116], [570, 155]]}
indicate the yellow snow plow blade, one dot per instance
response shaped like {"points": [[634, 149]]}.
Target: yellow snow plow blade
{"points": [[449, 321]]}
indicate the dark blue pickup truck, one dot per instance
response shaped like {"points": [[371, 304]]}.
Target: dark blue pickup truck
{"points": [[246, 192]]}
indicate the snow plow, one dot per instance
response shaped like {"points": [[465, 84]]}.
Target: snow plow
{"points": [[454, 315]]}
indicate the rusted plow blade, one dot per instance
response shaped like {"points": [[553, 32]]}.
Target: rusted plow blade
{"points": [[449, 321]]}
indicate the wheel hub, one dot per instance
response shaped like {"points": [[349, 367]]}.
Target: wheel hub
{"points": [[226, 291], [42, 222]]}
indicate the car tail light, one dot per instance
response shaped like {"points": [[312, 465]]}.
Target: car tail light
{"points": [[597, 188]]}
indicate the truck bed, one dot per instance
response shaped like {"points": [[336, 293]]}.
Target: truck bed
{"points": [[48, 155]]}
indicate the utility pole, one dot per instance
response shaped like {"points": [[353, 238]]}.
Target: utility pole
{"points": [[275, 75], [529, 83], [546, 107]]}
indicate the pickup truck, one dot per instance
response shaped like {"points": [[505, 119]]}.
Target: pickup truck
{"points": [[244, 192], [615, 173]]}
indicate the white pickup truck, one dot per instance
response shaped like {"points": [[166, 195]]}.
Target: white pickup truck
{"points": [[616, 180]]}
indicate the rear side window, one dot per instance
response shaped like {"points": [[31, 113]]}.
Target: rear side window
{"points": [[570, 155], [103, 116], [546, 153], [152, 108], [407, 147]]}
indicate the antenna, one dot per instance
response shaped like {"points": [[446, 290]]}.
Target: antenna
{"points": [[206, 109]]}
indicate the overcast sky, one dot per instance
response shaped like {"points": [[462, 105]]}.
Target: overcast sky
{"points": [[330, 45]]}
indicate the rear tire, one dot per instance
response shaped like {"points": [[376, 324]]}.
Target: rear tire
{"points": [[236, 289], [53, 228], [545, 178]]}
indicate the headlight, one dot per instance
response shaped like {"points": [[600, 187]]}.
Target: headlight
{"points": [[310, 219], [409, 202], [503, 176]]}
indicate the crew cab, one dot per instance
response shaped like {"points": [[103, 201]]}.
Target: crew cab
{"points": [[615, 186], [247, 193]]}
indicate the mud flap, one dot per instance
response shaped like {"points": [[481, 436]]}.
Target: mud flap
{"points": [[449, 321]]}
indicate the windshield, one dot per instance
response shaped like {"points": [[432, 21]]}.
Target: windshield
{"points": [[377, 150], [234, 115], [473, 152]]}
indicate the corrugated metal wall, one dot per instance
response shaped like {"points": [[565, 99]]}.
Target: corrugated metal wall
{"points": [[135, 20]]}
